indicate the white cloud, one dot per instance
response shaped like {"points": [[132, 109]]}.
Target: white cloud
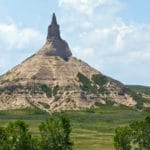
{"points": [[103, 39], [83, 52], [16, 44], [89, 6], [13, 37]]}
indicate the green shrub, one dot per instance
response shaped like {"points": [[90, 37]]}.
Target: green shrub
{"points": [[46, 90], [99, 79], [86, 84], [55, 90], [16, 136], [90, 110], [137, 133], [122, 138], [55, 134]]}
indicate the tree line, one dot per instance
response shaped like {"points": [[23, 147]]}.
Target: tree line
{"points": [[54, 135], [135, 136]]}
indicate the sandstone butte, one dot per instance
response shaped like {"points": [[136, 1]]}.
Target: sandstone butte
{"points": [[53, 80]]}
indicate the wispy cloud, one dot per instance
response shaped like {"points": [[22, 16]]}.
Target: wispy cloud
{"points": [[16, 43], [118, 49], [89, 7], [14, 37]]}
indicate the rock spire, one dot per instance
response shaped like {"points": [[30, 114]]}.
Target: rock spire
{"points": [[53, 29], [55, 45]]}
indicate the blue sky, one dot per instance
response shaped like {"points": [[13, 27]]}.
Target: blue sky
{"points": [[111, 35]]}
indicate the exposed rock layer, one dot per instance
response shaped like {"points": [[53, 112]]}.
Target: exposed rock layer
{"points": [[53, 80]]}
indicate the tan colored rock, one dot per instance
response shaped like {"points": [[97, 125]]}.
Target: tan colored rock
{"points": [[53, 66]]}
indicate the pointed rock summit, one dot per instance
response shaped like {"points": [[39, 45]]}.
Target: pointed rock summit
{"points": [[55, 46], [53, 29], [54, 80]]}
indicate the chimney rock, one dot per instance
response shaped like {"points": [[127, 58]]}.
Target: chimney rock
{"points": [[55, 45]]}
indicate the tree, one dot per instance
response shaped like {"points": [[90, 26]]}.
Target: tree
{"points": [[55, 134], [137, 133], [122, 138], [3, 139], [146, 133], [19, 137]]}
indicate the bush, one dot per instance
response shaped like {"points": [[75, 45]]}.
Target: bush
{"points": [[55, 90], [46, 90], [122, 138], [99, 79], [16, 136], [54, 135], [137, 133], [86, 84]]}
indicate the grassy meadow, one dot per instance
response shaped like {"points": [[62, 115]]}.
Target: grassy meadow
{"points": [[92, 129]]}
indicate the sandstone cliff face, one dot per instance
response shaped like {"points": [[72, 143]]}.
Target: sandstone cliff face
{"points": [[54, 80]]}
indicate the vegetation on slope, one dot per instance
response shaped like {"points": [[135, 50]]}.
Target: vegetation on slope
{"points": [[137, 95], [140, 89], [86, 84], [92, 129], [46, 90], [95, 85]]}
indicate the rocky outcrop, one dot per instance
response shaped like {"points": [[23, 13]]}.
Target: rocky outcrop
{"points": [[53, 30], [55, 46], [53, 80]]}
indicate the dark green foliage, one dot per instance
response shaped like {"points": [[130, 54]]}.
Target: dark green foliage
{"points": [[90, 110], [55, 134], [16, 136], [140, 89], [45, 105], [141, 133], [3, 139], [86, 84], [137, 133], [46, 89], [55, 90], [99, 79], [97, 128], [102, 90], [122, 138]]}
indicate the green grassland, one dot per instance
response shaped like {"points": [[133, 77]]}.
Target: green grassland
{"points": [[92, 129], [140, 89]]}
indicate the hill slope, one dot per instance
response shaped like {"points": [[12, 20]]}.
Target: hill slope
{"points": [[54, 80]]}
